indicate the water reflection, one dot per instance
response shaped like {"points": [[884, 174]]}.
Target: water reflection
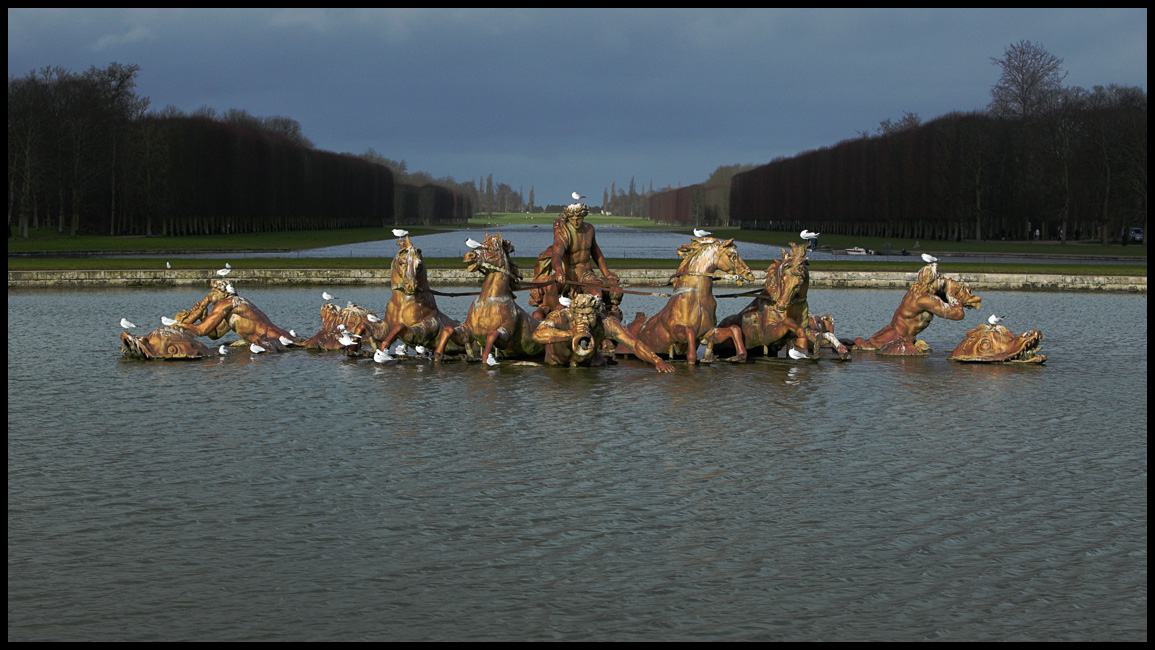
{"points": [[307, 496]]}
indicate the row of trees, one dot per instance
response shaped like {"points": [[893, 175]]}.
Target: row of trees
{"points": [[702, 204], [86, 156], [1064, 162]]}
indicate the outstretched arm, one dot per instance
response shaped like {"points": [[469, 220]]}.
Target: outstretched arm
{"points": [[936, 306], [617, 332], [208, 326]]}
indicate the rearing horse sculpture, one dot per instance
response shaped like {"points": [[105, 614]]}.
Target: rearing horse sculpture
{"points": [[495, 320], [689, 315], [780, 313], [412, 314]]}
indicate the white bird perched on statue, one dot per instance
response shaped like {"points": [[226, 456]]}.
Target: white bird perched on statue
{"points": [[285, 340], [168, 265], [293, 333], [373, 319], [222, 350], [420, 350], [491, 360], [576, 196], [228, 266], [565, 302], [346, 340], [223, 272], [125, 324], [995, 319], [255, 349], [381, 356], [397, 232], [328, 296], [808, 235], [797, 354], [472, 243], [400, 349], [698, 232], [167, 322], [928, 258], [229, 288]]}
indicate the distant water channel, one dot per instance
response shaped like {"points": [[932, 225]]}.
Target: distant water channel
{"points": [[307, 496], [615, 242]]}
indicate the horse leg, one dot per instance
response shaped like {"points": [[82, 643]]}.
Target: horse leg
{"points": [[497, 338], [733, 334], [394, 332], [691, 344], [443, 341]]}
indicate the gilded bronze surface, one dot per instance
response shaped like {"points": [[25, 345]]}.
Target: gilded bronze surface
{"points": [[689, 316], [931, 295], [997, 344], [574, 336], [223, 310], [495, 321], [168, 342], [568, 264], [351, 323], [412, 315]]}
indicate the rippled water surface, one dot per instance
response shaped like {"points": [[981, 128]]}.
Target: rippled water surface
{"points": [[307, 496]]}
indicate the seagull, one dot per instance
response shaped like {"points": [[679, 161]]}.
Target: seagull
{"points": [[328, 296], [224, 272], [255, 349], [373, 319], [576, 196], [229, 288], [928, 258], [472, 243], [222, 350], [285, 340], [228, 266], [995, 319], [797, 354], [397, 232], [698, 232], [125, 324], [347, 340], [167, 322], [381, 356], [421, 350], [565, 302], [400, 349], [491, 361], [167, 265], [293, 333], [806, 234]]}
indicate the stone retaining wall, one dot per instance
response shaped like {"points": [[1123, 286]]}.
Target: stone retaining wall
{"points": [[635, 277]]}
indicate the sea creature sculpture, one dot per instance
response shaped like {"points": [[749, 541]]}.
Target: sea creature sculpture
{"points": [[344, 329], [997, 344], [689, 315], [495, 320], [166, 342]]}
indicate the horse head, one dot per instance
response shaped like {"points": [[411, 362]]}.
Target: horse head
{"points": [[493, 256], [704, 255], [408, 270], [788, 279]]}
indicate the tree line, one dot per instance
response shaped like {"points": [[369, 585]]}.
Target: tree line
{"points": [[1043, 160], [85, 156]]}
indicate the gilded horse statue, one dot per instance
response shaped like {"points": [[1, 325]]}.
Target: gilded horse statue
{"points": [[780, 315], [412, 314], [495, 320], [689, 315]]}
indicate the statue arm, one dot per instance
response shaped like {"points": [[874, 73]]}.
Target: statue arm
{"points": [[936, 306], [620, 334], [208, 326], [550, 332]]}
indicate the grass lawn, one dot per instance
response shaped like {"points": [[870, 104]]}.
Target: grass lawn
{"points": [[50, 241]]}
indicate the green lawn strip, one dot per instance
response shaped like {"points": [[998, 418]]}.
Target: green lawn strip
{"points": [[51, 241]]}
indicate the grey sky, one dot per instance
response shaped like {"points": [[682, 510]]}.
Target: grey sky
{"points": [[576, 99]]}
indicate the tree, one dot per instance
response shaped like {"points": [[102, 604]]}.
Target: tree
{"points": [[1030, 81]]}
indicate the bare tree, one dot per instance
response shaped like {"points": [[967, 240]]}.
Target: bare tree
{"points": [[1031, 79]]}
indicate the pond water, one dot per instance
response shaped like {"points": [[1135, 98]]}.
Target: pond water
{"points": [[307, 496]]}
